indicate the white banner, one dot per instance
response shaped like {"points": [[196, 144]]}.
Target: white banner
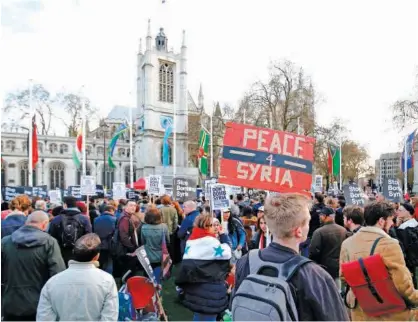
{"points": [[119, 190], [88, 186], [55, 196]]}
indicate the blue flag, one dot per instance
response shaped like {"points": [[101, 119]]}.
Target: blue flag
{"points": [[409, 146]]}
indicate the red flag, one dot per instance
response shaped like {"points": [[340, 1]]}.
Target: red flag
{"points": [[35, 155]]}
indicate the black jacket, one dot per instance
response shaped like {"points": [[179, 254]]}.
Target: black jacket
{"points": [[317, 296], [29, 257], [325, 247], [315, 223]]}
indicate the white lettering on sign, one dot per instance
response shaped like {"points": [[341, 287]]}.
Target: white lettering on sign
{"points": [[264, 173], [275, 144]]}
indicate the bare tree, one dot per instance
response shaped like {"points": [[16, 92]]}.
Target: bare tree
{"points": [[405, 111], [72, 104], [18, 103], [286, 99]]}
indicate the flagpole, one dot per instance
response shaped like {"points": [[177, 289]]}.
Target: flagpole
{"points": [[405, 163], [131, 169], [341, 164], [30, 147], [211, 146], [83, 133]]}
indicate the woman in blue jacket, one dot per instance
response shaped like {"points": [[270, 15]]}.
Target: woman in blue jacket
{"points": [[235, 231]]}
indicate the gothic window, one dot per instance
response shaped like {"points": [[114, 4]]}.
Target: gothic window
{"points": [[166, 80], [40, 147], [169, 154], [24, 146], [57, 175], [11, 145], [109, 177], [128, 174], [121, 152], [3, 173], [63, 148], [53, 148], [24, 174], [88, 149], [80, 171], [100, 150]]}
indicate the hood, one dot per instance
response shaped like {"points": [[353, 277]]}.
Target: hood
{"points": [[29, 236], [70, 212]]}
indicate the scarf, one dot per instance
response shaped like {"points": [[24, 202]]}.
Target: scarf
{"points": [[200, 233]]}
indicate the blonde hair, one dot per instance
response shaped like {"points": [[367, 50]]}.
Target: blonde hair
{"points": [[284, 213], [203, 221]]}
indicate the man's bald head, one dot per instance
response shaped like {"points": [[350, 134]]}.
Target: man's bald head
{"points": [[38, 219], [189, 206]]}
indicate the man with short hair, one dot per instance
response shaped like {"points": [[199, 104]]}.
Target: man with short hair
{"points": [[69, 226], [326, 243], [82, 292], [353, 218], [40, 205], [30, 256], [378, 217], [191, 212], [104, 226], [287, 216]]}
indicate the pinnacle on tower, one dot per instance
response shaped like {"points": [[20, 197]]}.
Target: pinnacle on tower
{"points": [[183, 44], [200, 98]]}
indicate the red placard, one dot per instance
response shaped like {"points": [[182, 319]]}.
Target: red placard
{"points": [[262, 158]]}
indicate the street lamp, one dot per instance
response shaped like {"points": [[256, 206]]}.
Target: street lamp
{"points": [[105, 129]]}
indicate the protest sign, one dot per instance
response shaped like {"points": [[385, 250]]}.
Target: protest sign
{"points": [[353, 194], [12, 192], [219, 198], [141, 254], [184, 189], [75, 191], [88, 186], [266, 159], [199, 193], [55, 196], [40, 191], [208, 183], [168, 191], [155, 183], [318, 183], [100, 191], [392, 190], [119, 190]]}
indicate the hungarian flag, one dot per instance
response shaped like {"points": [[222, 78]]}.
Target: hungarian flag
{"points": [[334, 153], [35, 154], [78, 150], [204, 138]]}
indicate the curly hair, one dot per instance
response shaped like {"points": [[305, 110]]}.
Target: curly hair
{"points": [[21, 203], [376, 210]]}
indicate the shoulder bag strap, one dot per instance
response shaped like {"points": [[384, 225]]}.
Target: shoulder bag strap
{"points": [[374, 246]]}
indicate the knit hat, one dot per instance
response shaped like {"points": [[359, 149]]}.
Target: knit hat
{"points": [[408, 207]]}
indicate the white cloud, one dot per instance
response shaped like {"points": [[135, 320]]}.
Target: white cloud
{"points": [[362, 55]]}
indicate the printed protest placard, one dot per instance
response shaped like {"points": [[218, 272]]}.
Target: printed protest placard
{"points": [[119, 190], [155, 183], [392, 190], [184, 189], [353, 194], [318, 183], [88, 186], [219, 198], [55, 196], [40, 191], [11, 192], [75, 191], [262, 158], [141, 254], [208, 183]]}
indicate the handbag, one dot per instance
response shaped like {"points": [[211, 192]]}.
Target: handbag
{"points": [[166, 261], [126, 307]]}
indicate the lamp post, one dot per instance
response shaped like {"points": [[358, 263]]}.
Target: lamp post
{"points": [[43, 161], [105, 129]]}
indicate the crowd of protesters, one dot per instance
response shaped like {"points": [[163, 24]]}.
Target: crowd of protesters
{"points": [[66, 261]]}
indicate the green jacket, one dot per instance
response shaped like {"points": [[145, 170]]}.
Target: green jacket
{"points": [[151, 238], [29, 257]]}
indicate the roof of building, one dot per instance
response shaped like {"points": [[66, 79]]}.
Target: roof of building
{"points": [[119, 112]]}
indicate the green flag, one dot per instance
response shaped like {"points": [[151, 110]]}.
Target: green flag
{"points": [[204, 139], [334, 153]]}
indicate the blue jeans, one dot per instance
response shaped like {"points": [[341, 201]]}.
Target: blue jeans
{"points": [[203, 317]]}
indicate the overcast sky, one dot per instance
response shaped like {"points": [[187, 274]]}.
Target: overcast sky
{"points": [[361, 55]]}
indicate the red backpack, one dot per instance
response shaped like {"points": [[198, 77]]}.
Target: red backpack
{"points": [[372, 286]]}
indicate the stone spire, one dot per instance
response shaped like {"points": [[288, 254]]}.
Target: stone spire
{"points": [[200, 100]]}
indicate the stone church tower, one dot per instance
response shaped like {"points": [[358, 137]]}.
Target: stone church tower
{"points": [[162, 99]]}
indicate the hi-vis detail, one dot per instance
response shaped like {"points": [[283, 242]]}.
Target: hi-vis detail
{"points": [[262, 158]]}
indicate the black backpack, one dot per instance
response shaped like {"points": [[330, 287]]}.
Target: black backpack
{"points": [[72, 229], [410, 244]]}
